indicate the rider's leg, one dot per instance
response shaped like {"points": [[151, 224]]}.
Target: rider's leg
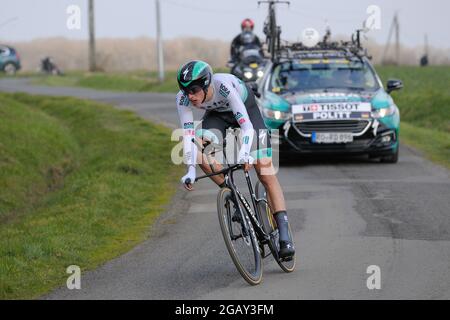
{"points": [[204, 163], [212, 130], [266, 174]]}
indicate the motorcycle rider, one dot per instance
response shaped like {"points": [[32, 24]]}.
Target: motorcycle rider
{"points": [[245, 38]]}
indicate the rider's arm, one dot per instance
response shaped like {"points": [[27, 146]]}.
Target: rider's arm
{"points": [[257, 41], [241, 115], [234, 47], [187, 124]]}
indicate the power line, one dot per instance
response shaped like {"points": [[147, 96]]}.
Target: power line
{"points": [[203, 9], [8, 21], [322, 18]]}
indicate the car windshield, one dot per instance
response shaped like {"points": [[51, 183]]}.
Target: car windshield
{"points": [[306, 75]]}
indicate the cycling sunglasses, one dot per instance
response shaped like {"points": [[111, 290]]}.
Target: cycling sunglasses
{"points": [[192, 90]]}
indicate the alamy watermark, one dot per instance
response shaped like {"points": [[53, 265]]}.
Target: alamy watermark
{"points": [[73, 21], [74, 280], [260, 148], [374, 280], [373, 21]]}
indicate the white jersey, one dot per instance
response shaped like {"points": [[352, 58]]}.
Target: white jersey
{"points": [[230, 94]]}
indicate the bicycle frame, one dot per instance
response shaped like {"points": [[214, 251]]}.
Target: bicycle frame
{"points": [[251, 217], [273, 31], [229, 181]]}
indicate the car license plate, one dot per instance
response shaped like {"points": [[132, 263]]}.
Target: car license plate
{"points": [[331, 137]]}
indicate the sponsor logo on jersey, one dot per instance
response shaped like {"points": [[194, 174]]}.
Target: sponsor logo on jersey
{"points": [[184, 100], [241, 121], [238, 115], [188, 125], [223, 90]]}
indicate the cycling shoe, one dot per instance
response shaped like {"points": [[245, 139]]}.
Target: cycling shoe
{"points": [[287, 250]]}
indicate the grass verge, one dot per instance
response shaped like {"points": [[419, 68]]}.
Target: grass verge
{"points": [[138, 81], [434, 144], [424, 105], [80, 183]]}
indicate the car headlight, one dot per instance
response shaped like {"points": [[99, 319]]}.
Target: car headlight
{"points": [[275, 114], [260, 73], [248, 74], [383, 112]]}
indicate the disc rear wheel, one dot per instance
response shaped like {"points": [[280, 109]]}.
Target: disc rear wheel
{"points": [[270, 227]]}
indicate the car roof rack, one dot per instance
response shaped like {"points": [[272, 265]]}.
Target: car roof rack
{"points": [[324, 49]]}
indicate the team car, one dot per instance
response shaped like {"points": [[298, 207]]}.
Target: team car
{"points": [[329, 99]]}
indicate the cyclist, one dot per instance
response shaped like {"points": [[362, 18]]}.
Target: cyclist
{"points": [[229, 103], [245, 39]]}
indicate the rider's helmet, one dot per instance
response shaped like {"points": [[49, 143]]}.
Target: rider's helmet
{"points": [[194, 76], [247, 24]]}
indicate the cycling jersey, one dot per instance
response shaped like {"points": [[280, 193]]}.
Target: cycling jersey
{"points": [[230, 94]]}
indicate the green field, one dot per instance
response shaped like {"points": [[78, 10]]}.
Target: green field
{"points": [[424, 105], [80, 183]]}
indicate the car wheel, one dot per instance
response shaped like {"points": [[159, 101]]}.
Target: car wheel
{"points": [[392, 158], [10, 69]]}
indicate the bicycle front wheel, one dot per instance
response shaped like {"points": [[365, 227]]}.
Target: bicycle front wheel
{"points": [[240, 238]]}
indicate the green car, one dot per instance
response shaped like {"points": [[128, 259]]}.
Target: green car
{"points": [[330, 101]]}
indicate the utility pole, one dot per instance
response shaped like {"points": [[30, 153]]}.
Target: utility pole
{"points": [[92, 64], [395, 25], [159, 43], [397, 39]]}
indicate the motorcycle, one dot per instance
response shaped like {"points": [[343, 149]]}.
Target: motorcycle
{"points": [[250, 66]]}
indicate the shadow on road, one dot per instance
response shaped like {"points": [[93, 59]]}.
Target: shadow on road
{"points": [[317, 160]]}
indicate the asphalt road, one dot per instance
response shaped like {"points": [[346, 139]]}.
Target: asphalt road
{"points": [[347, 214]]}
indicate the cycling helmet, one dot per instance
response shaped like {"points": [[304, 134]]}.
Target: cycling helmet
{"points": [[193, 76], [247, 23]]}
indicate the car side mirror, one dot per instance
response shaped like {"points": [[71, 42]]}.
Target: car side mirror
{"points": [[254, 88], [394, 84]]}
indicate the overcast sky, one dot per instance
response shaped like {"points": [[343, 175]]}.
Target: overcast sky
{"points": [[220, 19]]}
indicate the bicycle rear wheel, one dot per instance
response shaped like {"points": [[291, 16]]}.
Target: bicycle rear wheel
{"points": [[240, 238], [270, 226]]}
